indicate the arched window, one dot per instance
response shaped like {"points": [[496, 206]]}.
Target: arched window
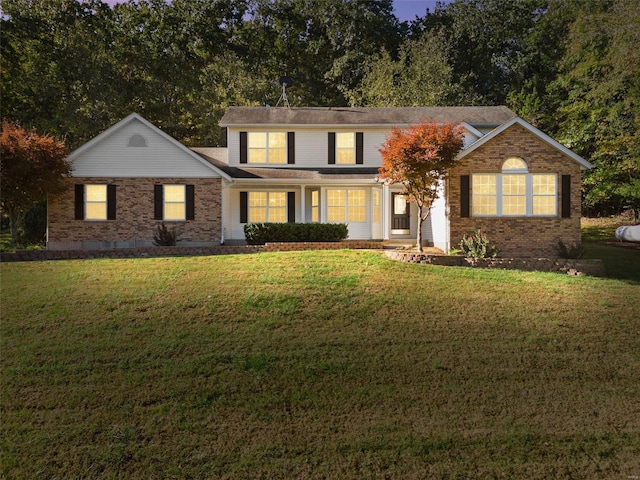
{"points": [[137, 140], [515, 164]]}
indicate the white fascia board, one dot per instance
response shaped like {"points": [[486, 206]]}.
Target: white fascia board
{"points": [[134, 116], [541, 135], [298, 182], [471, 129]]}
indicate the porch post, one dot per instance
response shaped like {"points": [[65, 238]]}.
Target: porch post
{"points": [[386, 212], [303, 207]]}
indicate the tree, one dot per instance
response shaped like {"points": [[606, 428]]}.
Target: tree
{"points": [[32, 168], [419, 159]]}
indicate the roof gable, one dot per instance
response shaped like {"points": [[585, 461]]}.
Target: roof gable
{"points": [[538, 133], [134, 147]]}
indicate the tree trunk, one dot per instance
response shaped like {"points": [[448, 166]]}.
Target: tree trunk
{"points": [[14, 221], [419, 228]]}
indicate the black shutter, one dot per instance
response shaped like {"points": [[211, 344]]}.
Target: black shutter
{"points": [[111, 202], [79, 202], [157, 202], [291, 148], [244, 200], [332, 148], [243, 147], [359, 148], [191, 205], [291, 207], [566, 196], [464, 196]]}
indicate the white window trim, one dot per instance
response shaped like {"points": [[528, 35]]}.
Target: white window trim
{"points": [[267, 207], [267, 149], [528, 196], [165, 202]]}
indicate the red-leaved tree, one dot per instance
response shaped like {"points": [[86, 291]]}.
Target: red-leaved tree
{"points": [[419, 159], [32, 168]]}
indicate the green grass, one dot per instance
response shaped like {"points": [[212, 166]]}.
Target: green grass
{"points": [[316, 365]]}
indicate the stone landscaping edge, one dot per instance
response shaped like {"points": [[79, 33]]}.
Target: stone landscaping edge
{"points": [[570, 266], [580, 267]]}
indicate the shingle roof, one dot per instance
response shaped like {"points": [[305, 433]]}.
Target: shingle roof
{"points": [[309, 116], [218, 158]]}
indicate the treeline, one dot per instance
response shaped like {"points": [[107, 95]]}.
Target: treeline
{"points": [[569, 67]]}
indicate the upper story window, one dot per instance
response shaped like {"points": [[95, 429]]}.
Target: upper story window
{"points": [[346, 148], [267, 147], [514, 192]]}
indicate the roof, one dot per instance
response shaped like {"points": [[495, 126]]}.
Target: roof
{"points": [[218, 158], [336, 116], [541, 135]]}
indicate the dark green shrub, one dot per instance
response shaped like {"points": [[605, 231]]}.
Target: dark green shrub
{"points": [[261, 233], [166, 237], [34, 226], [573, 251], [477, 245]]}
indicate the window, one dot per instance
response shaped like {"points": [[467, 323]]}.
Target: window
{"points": [[346, 205], [267, 207], [267, 147], [345, 148], [315, 206], [95, 207], [376, 205], [174, 202], [95, 202], [515, 192]]}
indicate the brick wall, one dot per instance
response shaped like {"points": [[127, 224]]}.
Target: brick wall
{"points": [[519, 236], [134, 224]]}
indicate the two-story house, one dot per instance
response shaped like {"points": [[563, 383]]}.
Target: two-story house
{"points": [[319, 165]]}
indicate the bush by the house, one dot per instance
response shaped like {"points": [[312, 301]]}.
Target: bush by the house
{"points": [[166, 237], [477, 245], [566, 251], [261, 233]]}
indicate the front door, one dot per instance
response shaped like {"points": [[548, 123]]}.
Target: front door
{"points": [[400, 215]]}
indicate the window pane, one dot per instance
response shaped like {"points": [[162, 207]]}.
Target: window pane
{"points": [[484, 205], [257, 155], [484, 184], [278, 155], [335, 214], [335, 198], [345, 156], [315, 198], [376, 205], [174, 211], [345, 140], [514, 185], [96, 211], [96, 193], [174, 193], [277, 199], [277, 140], [356, 197], [257, 199], [257, 214], [512, 205], [278, 214], [544, 205], [357, 214], [399, 205], [544, 184], [257, 140]]}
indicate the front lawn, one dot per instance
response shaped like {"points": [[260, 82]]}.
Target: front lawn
{"points": [[320, 364]]}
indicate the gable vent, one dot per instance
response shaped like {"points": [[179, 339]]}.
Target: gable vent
{"points": [[137, 140]]}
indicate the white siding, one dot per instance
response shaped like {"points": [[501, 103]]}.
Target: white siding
{"points": [[312, 146], [111, 157]]}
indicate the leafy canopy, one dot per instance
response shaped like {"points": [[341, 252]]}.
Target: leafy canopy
{"points": [[419, 158]]}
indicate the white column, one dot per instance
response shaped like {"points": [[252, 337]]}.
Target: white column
{"points": [[386, 212], [303, 206]]}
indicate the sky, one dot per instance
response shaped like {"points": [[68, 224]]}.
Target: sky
{"points": [[403, 9]]}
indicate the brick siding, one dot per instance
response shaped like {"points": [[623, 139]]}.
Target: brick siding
{"points": [[134, 224], [519, 236]]}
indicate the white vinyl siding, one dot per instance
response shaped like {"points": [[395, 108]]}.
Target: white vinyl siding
{"points": [[311, 147], [161, 158]]}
